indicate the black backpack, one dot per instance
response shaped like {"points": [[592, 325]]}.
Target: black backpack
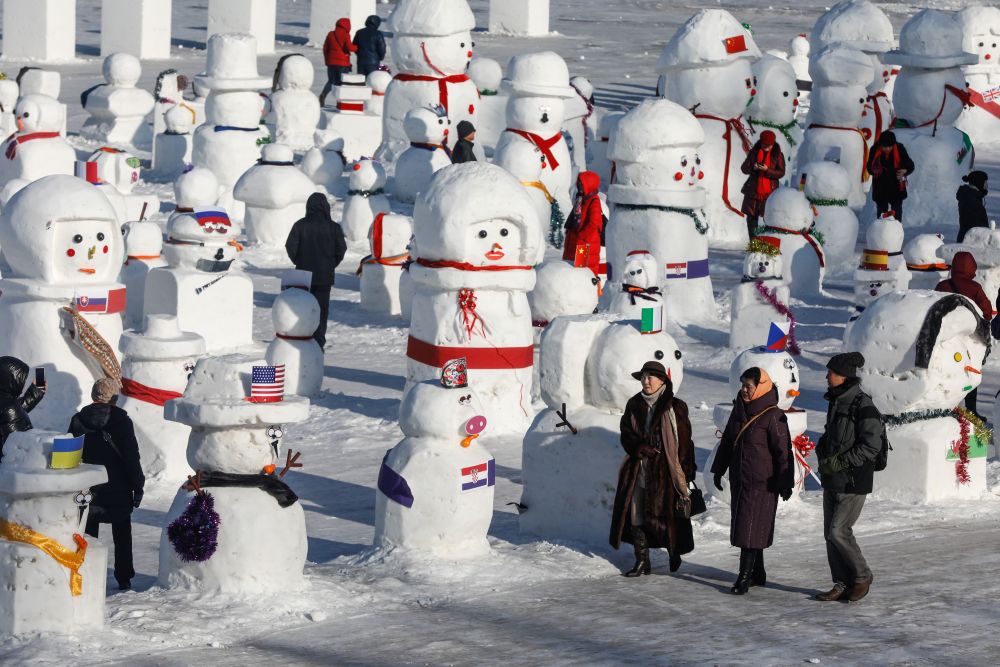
{"points": [[882, 458]]}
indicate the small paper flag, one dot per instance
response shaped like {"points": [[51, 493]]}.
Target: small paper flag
{"points": [[737, 44], [67, 453], [582, 255], [652, 320], [777, 337]]}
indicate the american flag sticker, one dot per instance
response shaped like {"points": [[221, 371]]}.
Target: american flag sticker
{"points": [[474, 477], [267, 384]]}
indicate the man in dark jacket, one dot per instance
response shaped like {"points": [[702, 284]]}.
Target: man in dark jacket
{"points": [[109, 440], [14, 407], [463, 148], [889, 164], [971, 203], [370, 44], [337, 50], [847, 451], [316, 243]]}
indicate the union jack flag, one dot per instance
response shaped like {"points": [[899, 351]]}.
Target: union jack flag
{"points": [[992, 95]]}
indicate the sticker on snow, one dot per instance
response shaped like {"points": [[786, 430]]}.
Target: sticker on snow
{"points": [[474, 477]]}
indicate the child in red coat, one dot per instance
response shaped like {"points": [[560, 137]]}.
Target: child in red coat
{"points": [[585, 225]]}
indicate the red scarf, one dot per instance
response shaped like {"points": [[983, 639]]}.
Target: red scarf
{"points": [[15, 139], [465, 266], [732, 124], [765, 186], [141, 392], [542, 144], [878, 165]]}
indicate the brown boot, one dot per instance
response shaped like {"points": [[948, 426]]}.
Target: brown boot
{"points": [[860, 589], [834, 593]]}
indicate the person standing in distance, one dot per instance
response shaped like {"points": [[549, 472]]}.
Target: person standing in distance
{"points": [[316, 243], [369, 42], [463, 147], [889, 164], [337, 50]]}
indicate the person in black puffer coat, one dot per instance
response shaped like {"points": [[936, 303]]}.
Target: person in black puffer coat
{"points": [[316, 243], [371, 46], [971, 203], [109, 440], [463, 147], [14, 407]]}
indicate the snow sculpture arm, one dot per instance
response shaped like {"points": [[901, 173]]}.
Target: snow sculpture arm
{"points": [[867, 437], [779, 442], [31, 397]]}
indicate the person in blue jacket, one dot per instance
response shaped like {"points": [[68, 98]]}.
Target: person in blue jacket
{"points": [[371, 46]]}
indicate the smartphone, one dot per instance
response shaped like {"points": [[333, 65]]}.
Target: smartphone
{"points": [[39, 376]]}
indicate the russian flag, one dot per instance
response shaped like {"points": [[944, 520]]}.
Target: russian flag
{"points": [[474, 477], [212, 219]]}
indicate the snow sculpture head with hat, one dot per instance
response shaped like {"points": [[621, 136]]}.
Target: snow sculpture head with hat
{"points": [[763, 259], [981, 37], [562, 289], [777, 99], [840, 77], [622, 348], [538, 86], [859, 25], [432, 37]]}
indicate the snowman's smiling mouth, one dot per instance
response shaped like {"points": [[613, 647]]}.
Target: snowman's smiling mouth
{"points": [[495, 253]]}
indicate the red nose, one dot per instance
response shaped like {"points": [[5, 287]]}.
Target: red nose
{"points": [[753, 92], [469, 54], [987, 56], [795, 103]]}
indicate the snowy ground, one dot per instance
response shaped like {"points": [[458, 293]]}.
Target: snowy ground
{"points": [[529, 602]]}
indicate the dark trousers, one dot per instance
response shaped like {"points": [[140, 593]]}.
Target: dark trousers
{"points": [[334, 75], [322, 294], [367, 68], [886, 205], [970, 401], [840, 513], [752, 222], [121, 533]]}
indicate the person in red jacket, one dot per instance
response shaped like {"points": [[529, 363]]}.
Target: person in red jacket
{"points": [[764, 167], [585, 225], [337, 50], [963, 281]]}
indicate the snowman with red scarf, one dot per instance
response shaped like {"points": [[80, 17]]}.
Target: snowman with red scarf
{"points": [[477, 239], [36, 149], [431, 49]]}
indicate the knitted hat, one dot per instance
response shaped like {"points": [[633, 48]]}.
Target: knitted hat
{"points": [[846, 364], [767, 138], [465, 128], [105, 389]]}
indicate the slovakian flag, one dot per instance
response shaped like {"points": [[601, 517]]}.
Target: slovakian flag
{"points": [[87, 171], [67, 453], [737, 44], [111, 301], [474, 477], [212, 220], [267, 384]]}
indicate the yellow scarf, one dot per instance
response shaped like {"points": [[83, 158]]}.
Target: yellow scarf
{"points": [[541, 186], [72, 560]]}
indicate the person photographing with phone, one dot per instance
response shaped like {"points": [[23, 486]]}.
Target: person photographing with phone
{"points": [[764, 167], [15, 402]]}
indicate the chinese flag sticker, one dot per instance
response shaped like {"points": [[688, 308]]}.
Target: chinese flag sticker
{"points": [[582, 255], [736, 44]]}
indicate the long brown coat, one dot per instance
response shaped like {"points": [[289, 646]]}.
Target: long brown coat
{"points": [[661, 527], [760, 465]]}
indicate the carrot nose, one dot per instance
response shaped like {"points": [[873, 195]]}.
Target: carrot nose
{"points": [[269, 469], [793, 393], [467, 440], [973, 370]]}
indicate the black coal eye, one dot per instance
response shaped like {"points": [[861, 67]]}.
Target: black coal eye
{"points": [[100, 236], [462, 45], [677, 354], [697, 160], [504, 232], [78, 238], [862, 100], [767, 263], [482, 233], [785, 93], [658, 354], [474, 45], [25, 114], [638, 272], [440, 121], [594, 281], [980, 44], [684, 162]]}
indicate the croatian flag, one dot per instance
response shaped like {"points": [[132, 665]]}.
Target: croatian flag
{"points": [[476, 476], [112, 301], [676, 270], [267, 384]]}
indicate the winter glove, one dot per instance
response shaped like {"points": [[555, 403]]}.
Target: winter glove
{"points": [[717, 480], [834, 464], [136, 498], [648, 451], [785, 494]]}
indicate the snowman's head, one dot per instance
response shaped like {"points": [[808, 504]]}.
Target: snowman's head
{"points": [[390, 235], [429, 126], [763, 259], [432, 37], [858, 24], [870, 285], [486, 73], [366, 174], [63, 231], [641, 270], [538, 85], [452, 415], [799, 46], [38, 113], [538, 115], [122, 70], [617, 353], [143, 239], [295, 312], [204, 240], [922, 253], [777, 97], [780, 366], [293, 72], [787, 208], [239, 108], [826, 180], [981, 34], [724, 90], [885, 233], [841, 76], [117, 167], [197, 186], [562, 289], [921, 95], [178, 120]]}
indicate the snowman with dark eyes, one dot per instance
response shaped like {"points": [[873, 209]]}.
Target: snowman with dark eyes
{"points": [[759, 298], [640, 286], [981, 37]]}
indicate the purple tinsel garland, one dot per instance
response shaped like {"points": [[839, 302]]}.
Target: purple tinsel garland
{"points": [[195, 533], [771, 296]]}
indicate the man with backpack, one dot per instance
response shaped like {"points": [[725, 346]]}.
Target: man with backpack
{"points": [[852, 447]]}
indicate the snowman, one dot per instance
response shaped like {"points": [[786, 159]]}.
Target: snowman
{"points": [[54, 577], [780, 366], [235, 449], [923, 259], [761, 298], [36, 149], [789, 217], [840, 76], [477, 239], [365, 199], [157, 360], [538, 86], [706, 69], [275, 192], [828, 187], [118, 110], [775, 106], [229, 142], [169, 93], [361, 131], [198, 286], [658, 199], [324, 163], [295, 315], [436, 486], [143, 253], [431, 48], [883, 267], [928, 97], [381, 271], [196, 187], [981, 37], [572, 453], [427, 130], [172, 147], [862, 25], [120, 169], [378, 81], [491, 115], [601, 163], [798, 58], [923, 353], [639, 287], [294, 108], [9, 93], [580, 122], [60, 304], [47, 82]]}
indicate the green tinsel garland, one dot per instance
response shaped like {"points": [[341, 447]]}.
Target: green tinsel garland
{"points": [[486, 92], [828, 202], [983, 433], [815, 233], [700, 225], [263, 141], [780, 128], [556, 223]]}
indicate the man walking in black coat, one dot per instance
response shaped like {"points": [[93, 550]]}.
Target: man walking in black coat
{"points": [[371, 46], [316, 243], [889, 164], [14, 407], [109, 440], [463, 148], [847, 451]]}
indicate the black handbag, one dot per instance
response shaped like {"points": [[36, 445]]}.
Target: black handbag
{"points": [[691, 506]]}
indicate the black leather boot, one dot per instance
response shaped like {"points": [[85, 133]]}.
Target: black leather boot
{"points": [[742, 585], [759, 576], [642, 565]]}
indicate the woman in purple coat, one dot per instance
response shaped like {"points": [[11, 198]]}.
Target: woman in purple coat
{"points": [[756, 449]]}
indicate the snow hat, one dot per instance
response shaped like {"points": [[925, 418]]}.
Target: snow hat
{"points": [[921, 253], [543, 74], [767, 138], [35, 80], [839, 65], [976, 178], [858, 24], [161, 338], [26, 467], [846, 364], [232, 64], [710, 38], [105, 390], [486, 73], [654, 368], [431, 18], [932, 39], [583, 87]]}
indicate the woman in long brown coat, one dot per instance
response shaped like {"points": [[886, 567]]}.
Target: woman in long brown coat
{"points": [[764, 167], [652, 500], [756, 449]]}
